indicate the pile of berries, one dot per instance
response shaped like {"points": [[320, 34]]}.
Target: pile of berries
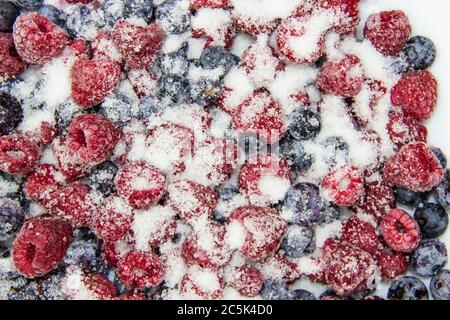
{"points": [[217, 149]]}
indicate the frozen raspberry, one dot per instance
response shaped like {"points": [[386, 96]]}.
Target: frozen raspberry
{"points": [[388, 31], [140, 270], [260, 115], [214, 4], [47, 133], [280, 268], [392, 264], [131, 295], [112, 221], [417, 94], [377, 200], [41, 245], [404, 129], [344, 186], [246, 18], [192, 200], [343, 77], [103, 46], [400, 231], [44, 180], [202, 283], [247, 280], [92, 138], [37, 39], [144, 83], [137, 44], [113, 252], [360, 234], [264, 230], [414, 167], [18, 155], [79, 47], [347, 12], [264, 179], [141, 184], [99, 285], [10, 62], [79, 1], [93, 80], [73, 202], [70, 165], [349, 269]]}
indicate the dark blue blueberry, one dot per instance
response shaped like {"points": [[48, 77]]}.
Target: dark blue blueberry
{"points": [[303, 204], [50, 287], [8, 14], [64, 115], [440, 285], [304, 124], [408, 288], [407, 197], [299, 241], [138, 9], [329, 294], [336, 149], [54, 14], [218, 57], [23, 289], [111, 275], [293, 151], [102, 178], [149, 107], [29, 4], [12, 217], [442, 191], [118, 109], [330, 214], [173, 16], [83, 21], [11, 113], [441, 156], [361, 294], [173, 89], [205, 92], [175, 63], [429, 257], [228, 192], [84, 254], [419, 53], [275, 290], [301, 294], [10, 186], [432, 219]]}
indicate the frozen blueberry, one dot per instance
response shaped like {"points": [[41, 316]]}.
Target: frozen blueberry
{"points": [[299, 241], [442, 191], [175, 63], [102, 178], [429, 257], [407, 197], [29, 4], [23, 289], [11, 113], [432, 219], [54, 14], [84, 21], [408, 288], [50, 287], [117, 108], [64, 115], [8, 14], [111, 275], [441, 156], [304, 124], [218, 57], [275, 290], [85, 254], [330, 214], [7, 269], [148, 107], [335, 149], [173, 89], [329, 294], [205, 92], [12, 217], [419, 53], [9, 185], [293, 151], [301, 294], [174, 16], [138, 9], [440, 285], [303, 204]]}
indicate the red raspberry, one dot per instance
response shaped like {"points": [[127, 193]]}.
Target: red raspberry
{"points": [[44, 181], [400, 231], [10, 62], [141, 184], [81, 285], [18, 155], [99, 285], [251, 21], [92, 138], [280, 268], [264, 230], [404, 129], [259, 174], [73, 202], [41, 245], [417, 93], [144, 83], [261, 115], [138, 45], [140, 270], [206, 248], [202, 283], [79, 47], [214, 4], [192, 200], [414, 167], [377, 200], [349, 269], [343, 77], [37, 39], [361, 234], [112, 221], [103, 46], [344, 186], [79, 1], [247, 280], [392, 264], [131, 295], [47, 133], [113, 252], [71, 166], [388, 31], [347, 12], [93, 80]]}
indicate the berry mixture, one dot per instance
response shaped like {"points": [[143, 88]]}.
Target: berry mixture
{"points": [[218, 149]]}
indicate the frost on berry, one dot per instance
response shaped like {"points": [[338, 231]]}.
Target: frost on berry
{"points": [[69, 164], [140, 270], [361, 234], [42, 182], [11, 63], [392, 265], [78, 284], [343, 186], [18, 155], [400, 231], [103, 46], [404, 129], [377, 199], [214, 4], [247, 279], [278, 267], [346, 13], [199, 283]]}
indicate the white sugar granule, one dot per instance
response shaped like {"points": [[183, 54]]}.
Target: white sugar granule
{"points": [[195, 48], [264, 11], [326, 231], [273, 187], [240, 85], [174, 265], [236, 235], [241, 42], [174, 42], [214, 22], [74, 287]]}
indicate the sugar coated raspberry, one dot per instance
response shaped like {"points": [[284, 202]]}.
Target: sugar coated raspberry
{"points": [[214, 4], [99, 285], [246, 18], [103, 46], [69, 164], [377, 199], [343, 186], [346, 14], [113, 252], [388, 31], [140, 270], [417, 94], [78, 284], [44, 180], [278, 267], [92, 138], [202, 283], [93, 80], [37, 39], [18, 155], [392, 264], [11, 63], [400, 231], [248, 280], [131, 295], [404, 129], [414, 167], [41, 245], [361, 234], [141, 184]]}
